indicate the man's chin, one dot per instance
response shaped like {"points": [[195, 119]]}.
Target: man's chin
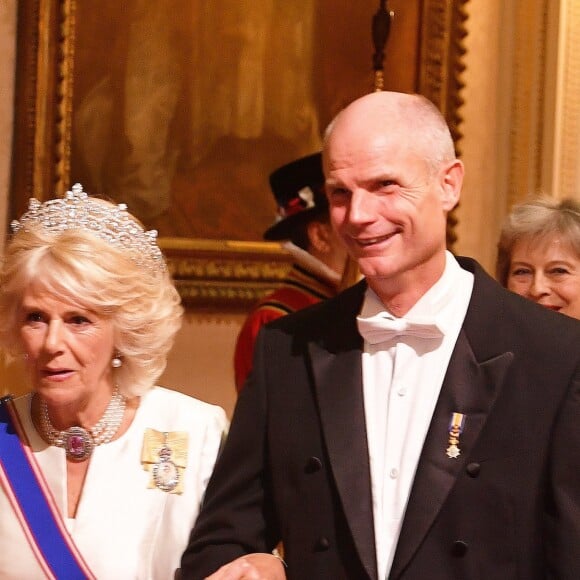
{"points": [[376, 267]]}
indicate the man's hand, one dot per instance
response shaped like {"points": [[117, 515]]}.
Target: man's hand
{"points": [[252, 567]]}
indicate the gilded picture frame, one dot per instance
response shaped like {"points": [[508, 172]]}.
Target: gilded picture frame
{"points": [[423, 54]]}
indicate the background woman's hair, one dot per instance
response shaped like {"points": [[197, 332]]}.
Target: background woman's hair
{"points": [[536, 219]]}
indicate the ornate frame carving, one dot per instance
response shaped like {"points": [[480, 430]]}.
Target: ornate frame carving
{"points": [[211, 275]]}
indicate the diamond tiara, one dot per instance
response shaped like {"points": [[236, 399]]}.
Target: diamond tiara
{"points": [[114, 224]]}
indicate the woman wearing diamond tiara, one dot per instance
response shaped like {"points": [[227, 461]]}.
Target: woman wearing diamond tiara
{"points": [[101, 472]]}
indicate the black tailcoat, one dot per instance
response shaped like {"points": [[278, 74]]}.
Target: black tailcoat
{"points": [[295, 466]]}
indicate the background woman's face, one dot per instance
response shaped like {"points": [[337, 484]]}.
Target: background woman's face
{"points": [[546, 271]]}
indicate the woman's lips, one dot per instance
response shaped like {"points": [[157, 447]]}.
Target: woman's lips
{"points": [[56, 374]]}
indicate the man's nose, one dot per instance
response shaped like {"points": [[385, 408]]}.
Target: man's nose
{"points": [[361, 208]]}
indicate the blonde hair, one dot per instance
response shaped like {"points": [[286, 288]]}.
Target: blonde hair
{"points": [[77, 266], [537, 219]]}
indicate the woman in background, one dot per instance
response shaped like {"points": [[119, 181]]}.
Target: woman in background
{"points": [[101, 471], [539, 253]]}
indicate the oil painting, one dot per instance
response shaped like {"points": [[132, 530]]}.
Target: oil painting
{"points": [[182, 108]]}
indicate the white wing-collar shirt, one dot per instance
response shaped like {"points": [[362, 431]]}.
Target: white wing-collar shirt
{"points": [[402, 378]]}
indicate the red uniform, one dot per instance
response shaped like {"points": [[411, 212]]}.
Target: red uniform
{"points": [[298, 189], [299, 289]]}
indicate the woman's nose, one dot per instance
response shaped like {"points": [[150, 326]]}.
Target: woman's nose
{"points": [[539, 286], [54, 336]]}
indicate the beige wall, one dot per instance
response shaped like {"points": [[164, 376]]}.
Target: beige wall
{"points": [[485, 144], [521, 77], [522, 112], [201, 363]]}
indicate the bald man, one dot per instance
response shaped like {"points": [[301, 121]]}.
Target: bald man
{"points": [[422, 424]]}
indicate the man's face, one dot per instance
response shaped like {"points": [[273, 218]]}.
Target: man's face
{"points": [[387, 205]]}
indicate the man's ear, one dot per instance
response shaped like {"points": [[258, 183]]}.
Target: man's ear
{"points": [[451, 183], [319, 234]]}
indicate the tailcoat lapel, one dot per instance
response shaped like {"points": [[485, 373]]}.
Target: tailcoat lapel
{"points": [[471, 386], [336, 364], [473, 381]]}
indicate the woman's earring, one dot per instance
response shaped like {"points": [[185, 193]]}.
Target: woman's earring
{"points": [[116, 362]]}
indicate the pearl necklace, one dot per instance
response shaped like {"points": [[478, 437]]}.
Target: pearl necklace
{"points": [[79, 442]]}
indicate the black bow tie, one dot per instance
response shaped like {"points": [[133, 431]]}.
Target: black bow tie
{"points": [[379, 328]]}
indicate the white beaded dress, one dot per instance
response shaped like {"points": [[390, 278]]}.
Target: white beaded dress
{"points": [[123, 528]]}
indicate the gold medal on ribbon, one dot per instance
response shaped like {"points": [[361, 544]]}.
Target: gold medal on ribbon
{"points": [[456, 425], [164, 455]]}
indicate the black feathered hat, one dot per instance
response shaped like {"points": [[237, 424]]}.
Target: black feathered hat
{"points": [[298, 188]]}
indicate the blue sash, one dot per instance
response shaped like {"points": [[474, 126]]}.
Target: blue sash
{"points": [[42, 523]]}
